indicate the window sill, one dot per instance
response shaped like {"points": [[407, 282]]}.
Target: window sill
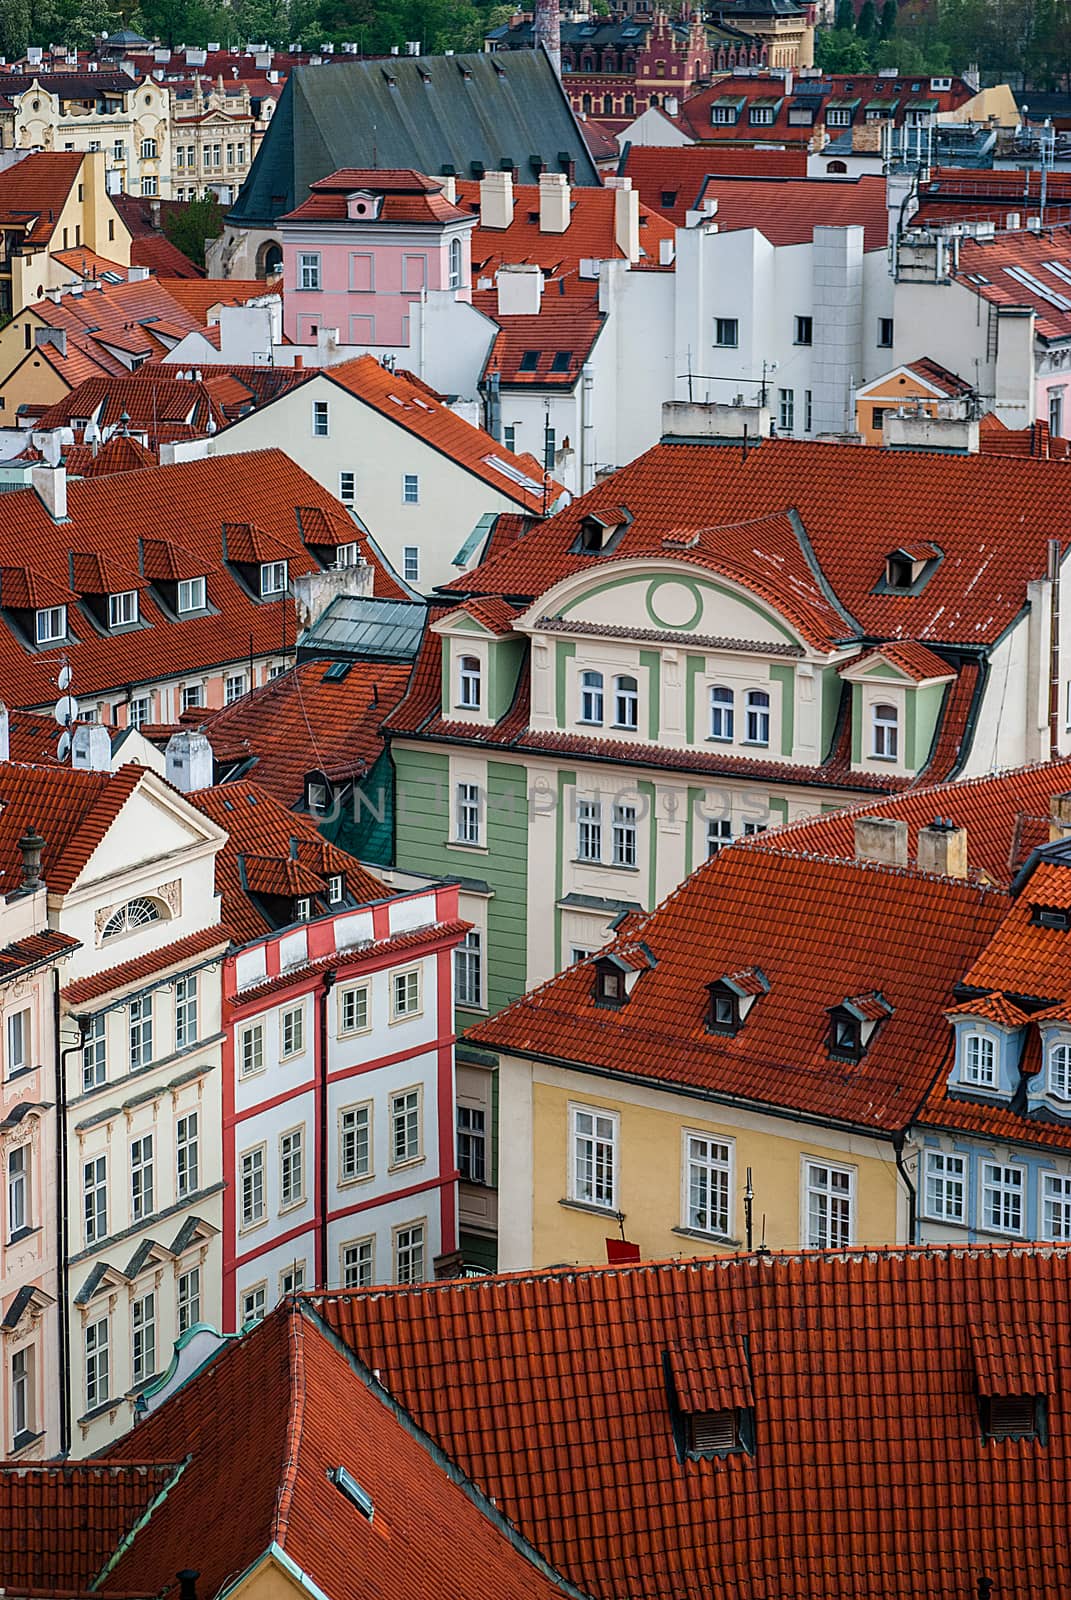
{"points": [[355, 1182], [292, 1205], [891, 760], [464, 844], [101, 1410], [23, 1441], [22, 1234], [718, 738], [252, 1227], [591, 1209], [625, 727], [407, 1016], [403, 1166], [709, 1238], [20, 1072], [756, 744], [607, 866]]}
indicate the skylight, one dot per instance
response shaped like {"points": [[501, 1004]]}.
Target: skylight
{"points": [[347, 1484], [1042, 290], [529, 360], [1058, 269], [513, 473], [562, 360]]}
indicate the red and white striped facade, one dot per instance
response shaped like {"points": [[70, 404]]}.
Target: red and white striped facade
{"points": [[340, 1031]]}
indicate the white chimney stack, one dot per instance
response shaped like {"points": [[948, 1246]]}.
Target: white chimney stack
{"points": [[91, 748], [520, 290], [189, 761], [496, 200], [50, 486], [554, 195], [626, 217]]}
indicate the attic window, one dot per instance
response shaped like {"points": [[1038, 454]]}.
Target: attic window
{"points": [[336, 888], [529, 361], [845, 1038], [723, 1010], [1013, 1417], [561, 361], [1058, 917], [302, 908], [609, 985], [714, 1433], [347, 1484]]}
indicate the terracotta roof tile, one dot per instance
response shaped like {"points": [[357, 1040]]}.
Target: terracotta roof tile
{"points": [[546, 350], [548, 1389], [72, 810], [899, 94], [408, 197], [179, 953], [787, 210], [37, 948], [919, 663], [154, 401], [590, 235], [33, 193], [163, 258], [670, 178], [1004, 271], [994, 1008], [1024, 958]]}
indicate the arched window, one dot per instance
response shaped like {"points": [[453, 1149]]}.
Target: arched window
{"points": [[585, 102], [591, 697], [148, 149], [758, 716], [721, 712], [980, 1060], [885, 727], [654, 100], [135, 914], [469, 683], [836, 166], [455, 263], [626, 702], [607, 105], [630, 104], [1060, 1071]]}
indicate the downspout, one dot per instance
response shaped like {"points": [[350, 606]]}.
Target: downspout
{"points": [[912, 1196], [1055, 559], [63, 1213], [587, 429], [329, 983]]}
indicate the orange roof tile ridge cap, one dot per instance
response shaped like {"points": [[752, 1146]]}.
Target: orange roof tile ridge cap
{"points": [[131, 1534], [908, 870], [294, 1428], [445, 1463]]}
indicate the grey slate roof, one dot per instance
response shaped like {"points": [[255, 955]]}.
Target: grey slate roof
{"points": [[432, 113]]}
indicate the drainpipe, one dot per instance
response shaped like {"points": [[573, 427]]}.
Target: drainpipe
{"points": [[587, 429], [63, 1212], [329, 983], [912, 1197], [1055, 555]]}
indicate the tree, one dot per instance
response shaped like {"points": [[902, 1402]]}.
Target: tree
{"points": [[15, 27], [887, 26], [837, 50], [845, 19], [190, 228], [867, 24]]}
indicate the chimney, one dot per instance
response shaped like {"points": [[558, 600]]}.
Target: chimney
{"points": [[189, 761], [91, 748], [667, 251], [944, 435], [187, 1581], [30, 849], [496, 200], [5, 733], [626, 217], [136, 274], [520, 290], [299, 362], [1060, 812], [50, 486], [881, 839], [553, 202], [547, 31], [696, 419], [942, 849]]}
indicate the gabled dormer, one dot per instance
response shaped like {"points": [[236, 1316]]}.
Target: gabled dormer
{"points": [[990, 1033], [178, 578], [38, 608], [601, 531], [616, 975], [710, 1396], [1048, 1091], [363, 205], [854, 1022], [1013, 1379], [330, 537], [481, 661], [110, 594], [731, 997], [897, 693], [258, 559], [909, 568]]}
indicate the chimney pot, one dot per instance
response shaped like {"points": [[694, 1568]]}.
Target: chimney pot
{"points": [[31, 846], [942, 849], [881, 839]]}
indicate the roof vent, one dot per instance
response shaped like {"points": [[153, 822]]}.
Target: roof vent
{"points": [[1051, 917], [347, 1484]]}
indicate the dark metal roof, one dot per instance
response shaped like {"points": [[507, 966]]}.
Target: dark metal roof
{"points": [[436, 114]]}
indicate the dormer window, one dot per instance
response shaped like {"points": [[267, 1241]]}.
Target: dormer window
{"points": [[1058, 1071], [192, 595], [1055, 917], [123, 609], [909, 566], [714, 1433], [272, 578], [51, 624], [844, 1038], [979, 1060], [601, 530], [336, 888], [346, 555], [591, 697], [455, 264], [885, 732], [731, 997], [723, 1015], [853, 1024], [1013, 1416], [302, 908], [899, 572], [711, 1399], [609, 985], [468, 683]]}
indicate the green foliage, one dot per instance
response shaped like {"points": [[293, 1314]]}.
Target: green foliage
{"points": [[840, 50], [197, 222], [887, 26], [15, 27], [867, 24], [845, 18]]}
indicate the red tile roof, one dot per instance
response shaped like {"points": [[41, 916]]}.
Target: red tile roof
{"points": [[189, 505], [949, 383], [264, 1426], [34, 191], [996, 439], [956, 195], [589, 236], [787, 210], [670, 179], [304, 720], [549, 1390], [88, 264], [1024, 959], [163, 258], [72, 810], [179, 953], [852, 518], [156, 402], [908, 656], [66, 1521], [121, 454], [989, 268], [898, 94], [809, 924], [34, 951], [994, 809], [290, 858], [560, 338], [416, 408], [408, 197]]}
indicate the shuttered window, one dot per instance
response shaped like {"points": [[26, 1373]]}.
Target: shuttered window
{"points": [[714, 1432]]}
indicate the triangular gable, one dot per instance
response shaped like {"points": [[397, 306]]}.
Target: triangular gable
{"points": [[154, 824], [876, 387]]}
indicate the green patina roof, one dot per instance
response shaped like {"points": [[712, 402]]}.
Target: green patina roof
{"points": [[356, 626], [431, 113]]}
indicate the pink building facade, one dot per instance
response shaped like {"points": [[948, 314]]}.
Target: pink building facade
{"points": [[339, 1141], [363, 247], [30, 1333]]}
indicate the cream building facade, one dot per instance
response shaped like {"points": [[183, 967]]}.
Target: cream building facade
{"points": [[126, 120]]}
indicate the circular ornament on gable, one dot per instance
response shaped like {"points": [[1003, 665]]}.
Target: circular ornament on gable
{"points": [[674, 603]]}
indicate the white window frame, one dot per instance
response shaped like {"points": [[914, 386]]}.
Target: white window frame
{"points": [[1058, 1069], [253, 1190], [192, 595], [292, 1279], [594, 1143], [624, 834], [139, 711], [410, 1243], [22, 1393], [123, 609], [143, 1337], [626, 702], [189, 1299], [469, 683], [589, 830], [139, 1020], [712, 1158], [357, 1262], [251, 1059], [1056, 1206], [18, 1036], [410, 488], [345, 1028], [757, 713], [50, 625], [976, 1048], [233, 687], [142, 1177], [18, 1190], [592, 698], [786, 410], [271, 572], [472, 1138], [995, 1185], [96, 1358], [828, 1231], [455, 265], [402, 988], [405, 1111], [95, 1054], [309, 271], [360, 1117], [254, 1302], [95, 1198], [187, 1154], [885, 731], [468, 814], [411, 563], [719, 834], [185, 1011], [944, 1174], [291, 1169], [347, 487], [721, 702], [468, 971], [291, 1032]]}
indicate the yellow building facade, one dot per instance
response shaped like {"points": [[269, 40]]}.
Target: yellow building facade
{"points": [[812, 1184]]}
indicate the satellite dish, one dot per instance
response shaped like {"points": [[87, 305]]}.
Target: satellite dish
{"points": [[66, 710], [63, 749], [64, 679]]}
